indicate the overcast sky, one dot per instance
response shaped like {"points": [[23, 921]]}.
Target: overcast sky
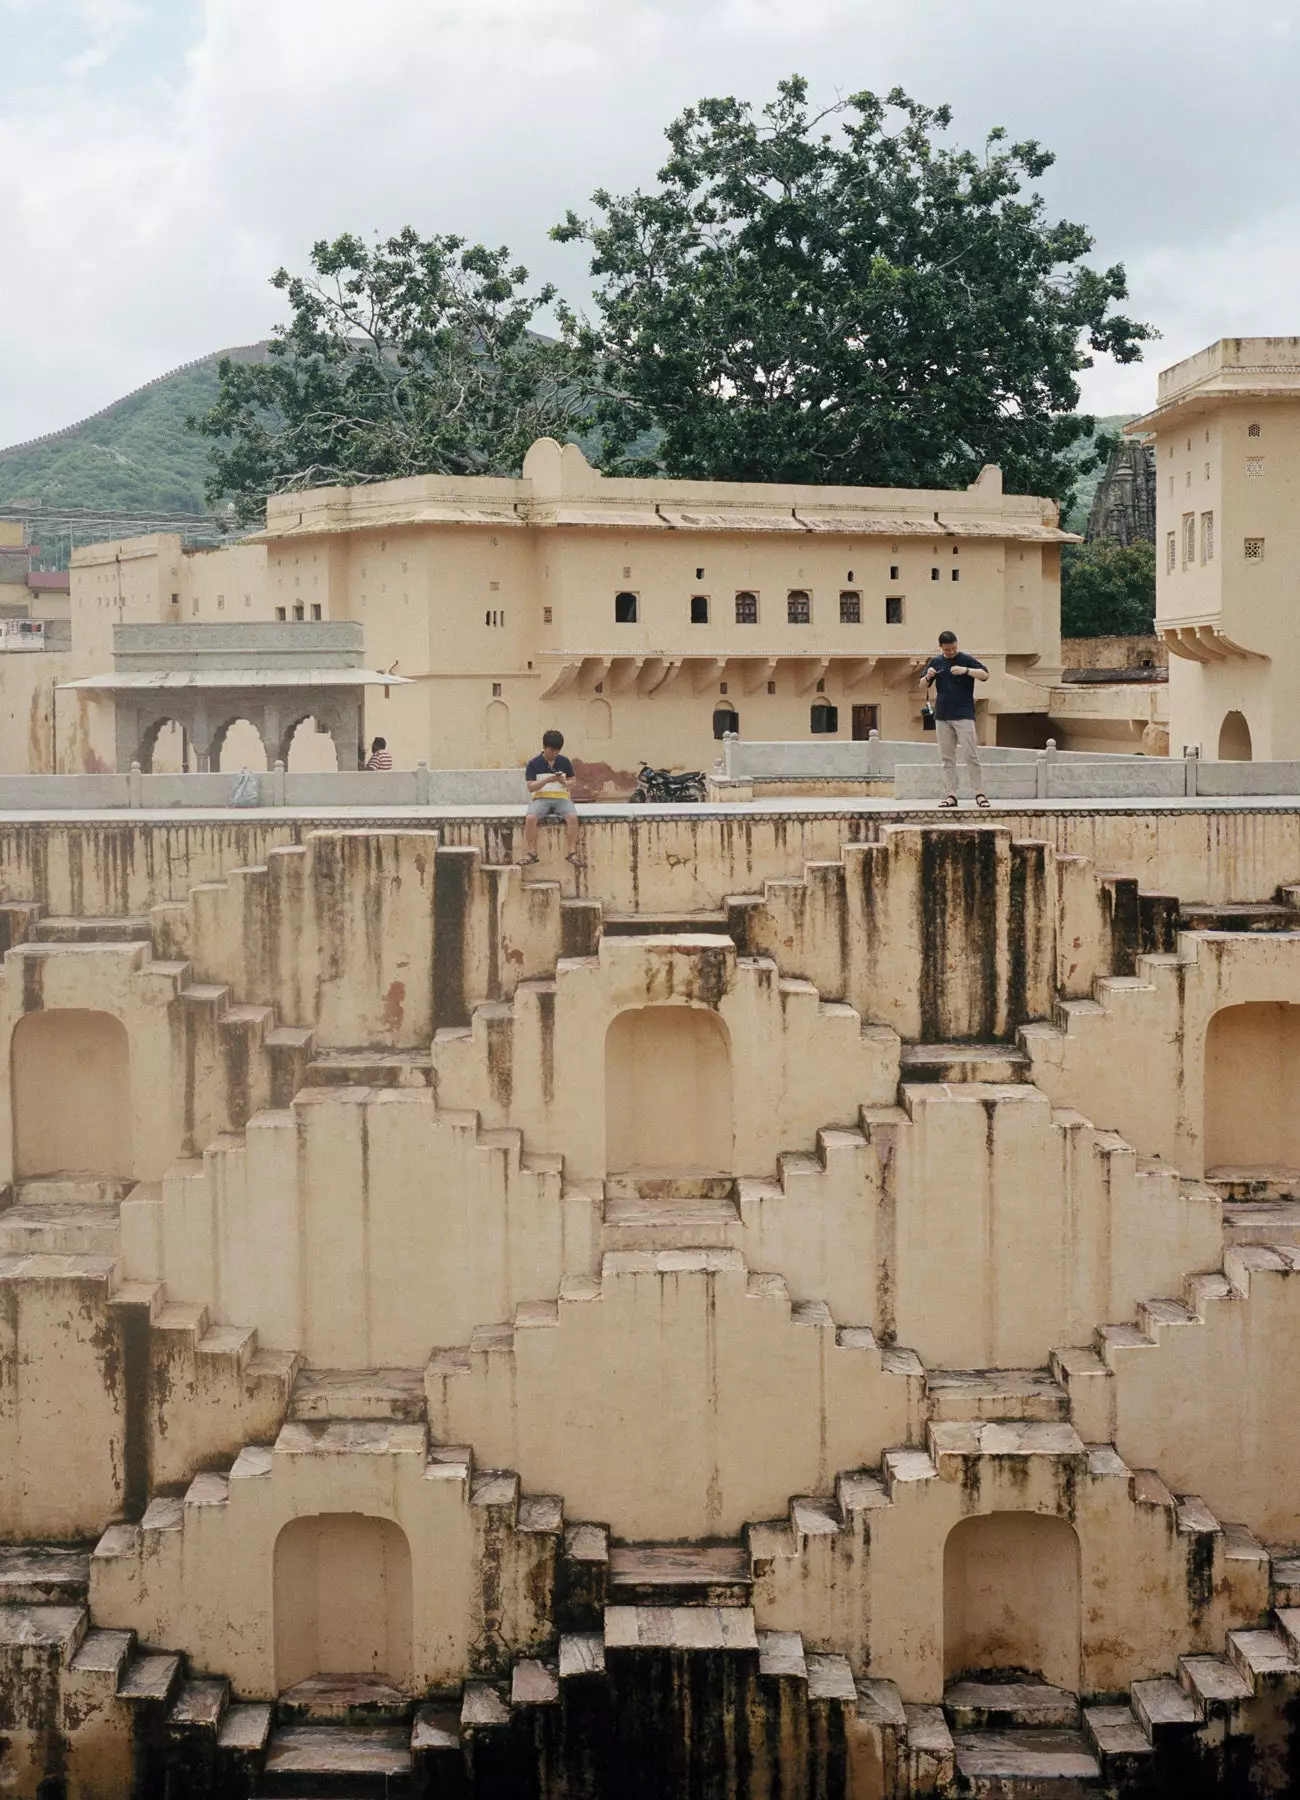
{"points": [[159, 158]]}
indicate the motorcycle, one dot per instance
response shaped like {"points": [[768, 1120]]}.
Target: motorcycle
{"points": [[660, 787]]}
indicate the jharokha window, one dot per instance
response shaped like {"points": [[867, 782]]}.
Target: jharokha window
{"points": [[746, 609], [798, 606]]}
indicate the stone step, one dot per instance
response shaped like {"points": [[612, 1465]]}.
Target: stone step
{"points": [[370, 1068], [200, 1705], [1263, 1657], [395, 1394], [42, 1632], [1285, 1577], [680, 1574], [60, 1228], [992, 1063], [1261, 1221], [995, 1394], [663, 924], [646, 1222], [685, 1628], [1164, 1708], [1010, 1706], [71, 1188], [149, 1678], [1215, 1683], [670, 1184], [63, 929], [43, 1575], [343, 1700], [1026, 1762], [1263, 915], [1255, 1182], [1117, 1737], [342, 1760]]}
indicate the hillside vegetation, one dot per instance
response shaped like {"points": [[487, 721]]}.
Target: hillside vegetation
{"points": [[134, 456]]}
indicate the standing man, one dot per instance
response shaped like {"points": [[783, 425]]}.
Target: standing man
{"points": [[547, 777], [953, 675]]}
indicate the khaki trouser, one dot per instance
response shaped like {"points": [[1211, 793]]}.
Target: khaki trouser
{"points": [[951, 733]]}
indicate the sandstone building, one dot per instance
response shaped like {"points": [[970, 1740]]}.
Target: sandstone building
{"points": [[643, 618], [1226, 431], [806, 1310]]}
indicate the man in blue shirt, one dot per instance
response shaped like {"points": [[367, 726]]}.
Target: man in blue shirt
{"points": [[952, 674], [547, 778]]}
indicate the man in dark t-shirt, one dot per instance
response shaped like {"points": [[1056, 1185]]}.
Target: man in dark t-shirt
{"points": [[953, 674], [547, 778]]}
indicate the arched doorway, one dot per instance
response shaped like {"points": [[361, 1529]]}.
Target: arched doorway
{"points": [[309, 748], [238, 745], [163, 749], [1011, 1598], [668, 1091], [1252, 1086], [496, 725], [342, 1599], [71, 1087], [1234, 738]]}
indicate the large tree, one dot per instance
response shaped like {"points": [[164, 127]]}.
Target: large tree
{"points": [[844, 298], [1108, 589], [410, 357]]}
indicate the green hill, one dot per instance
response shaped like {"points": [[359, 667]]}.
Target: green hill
{"points": [[134, 456]]}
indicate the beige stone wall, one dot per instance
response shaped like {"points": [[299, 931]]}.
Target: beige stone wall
{"points": [[386, 1215]]}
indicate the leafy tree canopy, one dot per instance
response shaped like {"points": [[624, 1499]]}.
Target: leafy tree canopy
{"points": [[409, 358], [1108, 589], [858, 305]]}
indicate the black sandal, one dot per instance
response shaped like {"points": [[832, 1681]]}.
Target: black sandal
{"points": [[982, 800], [950, 801]]}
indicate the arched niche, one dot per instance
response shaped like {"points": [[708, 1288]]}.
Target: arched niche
{"points": [[1011, 1598], [70, 1075], [1234, 738], [668, 1091], [496, 725], [1252, 1088], [600, 719], [342, 1599]]}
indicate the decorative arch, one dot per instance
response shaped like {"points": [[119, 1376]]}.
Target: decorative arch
{"points": [[70, 1079], [600, 719], [1252, 1088], [1234, 739], [309, 752], [1011, 1598], [243, 741], [150, 746], [343, 1599], [668, 1103]]}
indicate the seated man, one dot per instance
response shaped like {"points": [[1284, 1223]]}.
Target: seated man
{"points": [[547, 777]]}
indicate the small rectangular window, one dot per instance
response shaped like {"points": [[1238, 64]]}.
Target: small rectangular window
{"points": [[496, 690], [893, 572], [1255, 467], [176, 599], [894, 609], [315, 611], [850, 608], [771, 687], [1171, 552], [625, 609], [298, 611], [1253, 431], [1171, 487], [934, 574], [1207, 537], [1189, 539], [546, 615], [746, 609], [798, 607], [1254, 549], [699, 609], [956, 574], [279, 612]]}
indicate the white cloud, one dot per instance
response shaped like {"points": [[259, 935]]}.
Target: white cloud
{"points": [[162, 157]]}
